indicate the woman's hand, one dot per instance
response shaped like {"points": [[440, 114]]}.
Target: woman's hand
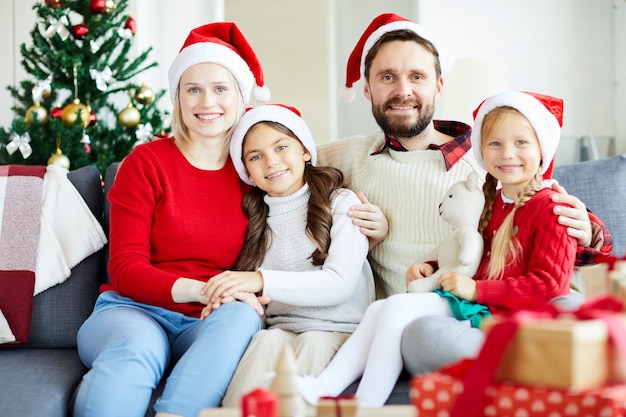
{"points": [[228, 283], [249, 298], [575, 218], [459, 284], [417, 271], [370, 219]]}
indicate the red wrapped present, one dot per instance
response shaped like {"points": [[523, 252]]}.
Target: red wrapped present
{"points": [[470, 389]]}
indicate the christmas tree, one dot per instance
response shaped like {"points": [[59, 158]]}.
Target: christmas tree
{"points": [[69, 113]]}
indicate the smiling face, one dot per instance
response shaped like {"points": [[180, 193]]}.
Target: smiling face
{"points": [[209, 100], [510, 150], [274, 160], [402, 87]]}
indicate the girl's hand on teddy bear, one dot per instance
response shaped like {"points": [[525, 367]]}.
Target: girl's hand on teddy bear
{"points": [[459, 284], [418, 270]]}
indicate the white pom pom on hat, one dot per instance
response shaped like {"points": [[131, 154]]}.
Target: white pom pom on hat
{"points": [[381, 24], [543, 112], [221, 43], [285, 115]]}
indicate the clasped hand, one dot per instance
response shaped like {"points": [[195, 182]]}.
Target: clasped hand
{"points": [[233, 285]]}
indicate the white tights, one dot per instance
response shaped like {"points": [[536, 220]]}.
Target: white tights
{"points": [[373, 350]]}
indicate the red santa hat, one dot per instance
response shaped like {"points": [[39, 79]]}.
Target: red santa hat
{"points": [[221, 43], [544, 113], [285, 115], [382, 24]]}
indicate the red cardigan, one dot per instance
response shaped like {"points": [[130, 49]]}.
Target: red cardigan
{"points": [[170, 220], [544, 268]]}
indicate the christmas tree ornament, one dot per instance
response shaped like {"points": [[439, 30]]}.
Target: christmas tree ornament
{"points": [[143, 133], [58, 27], [93, 119], [36, 114], [79, 31], [21, 143], [98, 6], [54, 3], [130, 116], [144, 95], [42, 89], [102, 78], [56, 111], [285, 386], [73, 111], [131, 25], [110, 6], [58, 158]]}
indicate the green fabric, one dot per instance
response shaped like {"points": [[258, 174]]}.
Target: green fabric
{"points": [[465, 310]]}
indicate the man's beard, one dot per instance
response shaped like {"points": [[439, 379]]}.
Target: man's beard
{"points": [[402, 127]]}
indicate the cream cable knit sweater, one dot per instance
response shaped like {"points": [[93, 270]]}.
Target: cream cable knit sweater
{"points": [[408, 187], [304, 297]]}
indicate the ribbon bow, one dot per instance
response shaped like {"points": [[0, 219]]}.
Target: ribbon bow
{"points": [[40, 87], [21, 143], [143, 133], [102, 78], [58, 26], [125, 33]]}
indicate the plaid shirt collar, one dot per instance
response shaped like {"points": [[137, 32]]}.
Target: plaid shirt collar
{"points": [[452, 151]]}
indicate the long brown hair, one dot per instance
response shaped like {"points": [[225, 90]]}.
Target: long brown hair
{"points": [[505, 248], [322, 182]]}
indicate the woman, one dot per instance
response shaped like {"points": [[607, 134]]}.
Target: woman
{"points": [[176, 221]]}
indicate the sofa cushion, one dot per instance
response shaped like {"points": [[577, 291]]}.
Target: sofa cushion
{"points": [[59, 311], [38, 382], [601, 185]]}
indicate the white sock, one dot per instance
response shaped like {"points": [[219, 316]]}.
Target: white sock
{"points": [[311, 389]]}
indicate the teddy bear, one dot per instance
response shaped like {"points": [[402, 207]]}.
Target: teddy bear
{"points": [[462, 249]]}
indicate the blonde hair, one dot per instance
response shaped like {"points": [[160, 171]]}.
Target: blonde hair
{"points": [[180, 131], [505, 248]]}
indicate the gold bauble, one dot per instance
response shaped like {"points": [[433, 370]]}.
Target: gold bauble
{"points": [[59, 159], [144, 95], [129, 117], [110, 6], [36, 113], [70, 113]]}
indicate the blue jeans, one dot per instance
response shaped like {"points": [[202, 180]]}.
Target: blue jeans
{"points": [[128, 347]]}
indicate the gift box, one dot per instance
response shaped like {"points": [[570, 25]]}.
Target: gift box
{"points": [[435, 394], [562, 353], [342, 406]]}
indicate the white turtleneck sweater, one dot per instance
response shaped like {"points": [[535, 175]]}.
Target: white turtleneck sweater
{"points": [[408, 187], [331, 297]]}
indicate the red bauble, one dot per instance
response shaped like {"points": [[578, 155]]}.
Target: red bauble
{"points": [[92, 119], [80, 31], [131, 25], [56, 112], [54, 3], [97, 6]]}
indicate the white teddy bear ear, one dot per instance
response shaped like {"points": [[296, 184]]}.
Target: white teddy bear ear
{"points": [[472, 180]]}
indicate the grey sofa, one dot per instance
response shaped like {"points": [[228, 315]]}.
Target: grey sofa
{"points": [[40, 379]]}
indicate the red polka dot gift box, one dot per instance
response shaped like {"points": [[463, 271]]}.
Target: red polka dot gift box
{"points": [[435, 394]]}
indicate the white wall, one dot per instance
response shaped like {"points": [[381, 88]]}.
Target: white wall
{"points": [[568, 48]]}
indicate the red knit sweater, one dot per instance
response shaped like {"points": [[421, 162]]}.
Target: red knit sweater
{"points": [[170, 220], [546, 264]]}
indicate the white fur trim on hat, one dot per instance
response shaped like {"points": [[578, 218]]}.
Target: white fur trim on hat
{"points": [[211, 52], [544, 123], [268, 113]]}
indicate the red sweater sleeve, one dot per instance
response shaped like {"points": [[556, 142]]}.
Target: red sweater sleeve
{"points": [[545, 266], [168, 220]]}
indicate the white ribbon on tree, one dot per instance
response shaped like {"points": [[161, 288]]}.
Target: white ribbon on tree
{"points": [[58, 26], [40, 87], [20, 142], [125, 33], [102, 78], [143, 133]]}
